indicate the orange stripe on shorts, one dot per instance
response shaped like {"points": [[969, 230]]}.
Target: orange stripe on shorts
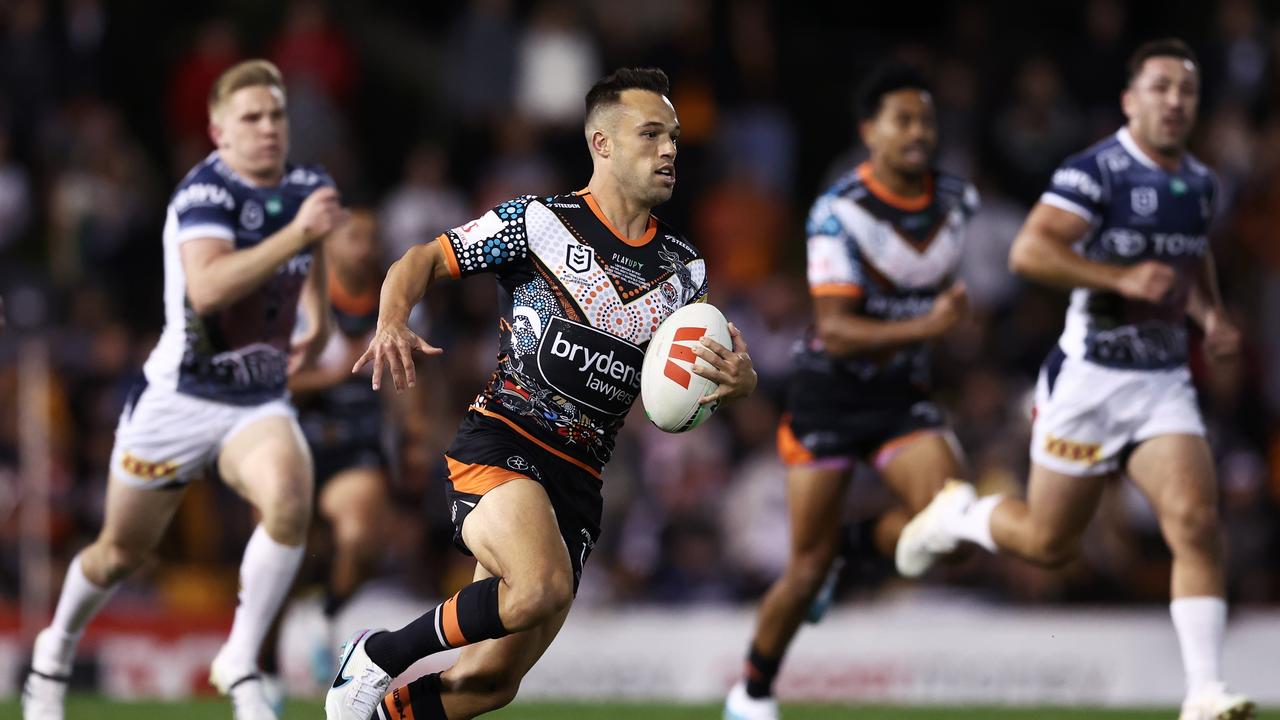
{"points": [[790, 448]]}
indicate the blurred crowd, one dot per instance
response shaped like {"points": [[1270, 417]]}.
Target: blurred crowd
{"points": [[430, 113]]}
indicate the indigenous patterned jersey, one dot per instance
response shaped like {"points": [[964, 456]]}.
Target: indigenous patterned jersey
{"points": [[238, 354], [892, 255], [585, 301], [1137, 211]]}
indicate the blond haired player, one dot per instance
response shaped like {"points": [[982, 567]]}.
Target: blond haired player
{"points": [[239, 253]]}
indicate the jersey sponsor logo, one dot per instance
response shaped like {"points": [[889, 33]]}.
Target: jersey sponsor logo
{"points": [[590, 366], [299, 264], [203, 195], [683, 353], [1144, 200], [482, 228], [896, 307], [565, 205], [1123, 242], [146, 469], [251, 215], [1078, 181], [578, 258], [303, 176], [515, 462], [1071, 450], [1177, 244], [679, 243]]}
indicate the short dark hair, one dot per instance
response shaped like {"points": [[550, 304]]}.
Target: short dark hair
{"points": [[885, 79], [1164, 47], [608, 89]]}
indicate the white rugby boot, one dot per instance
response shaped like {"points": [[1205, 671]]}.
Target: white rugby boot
{"points": [[1213, 702], [44, 691], [741, 706], [927, 537], [359, 685], [241, 682]]}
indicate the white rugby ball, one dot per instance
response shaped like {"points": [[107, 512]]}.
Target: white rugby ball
{"points": [[669, 388]]}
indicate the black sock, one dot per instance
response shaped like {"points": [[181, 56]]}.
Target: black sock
{"points": [[761, 672], [419, 700], [468, 617]]}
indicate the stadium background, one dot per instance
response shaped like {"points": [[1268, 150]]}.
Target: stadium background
{"points": [[429, 113]]}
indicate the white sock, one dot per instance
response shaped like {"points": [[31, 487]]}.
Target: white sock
{"points": [[974, 524], [78, 602], [1200, 623], [266, 574]]}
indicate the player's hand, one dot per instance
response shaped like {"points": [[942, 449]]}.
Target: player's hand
{"points": [[320, 213], [395, 345], [1221, 337], [949, 308], [1148, 281], [731, 370]]}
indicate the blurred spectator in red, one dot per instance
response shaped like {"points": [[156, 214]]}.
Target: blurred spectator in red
{"points": [[214, 49], [312, 51]]}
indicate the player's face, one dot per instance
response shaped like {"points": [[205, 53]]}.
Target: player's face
{"points": [[1161, 103], [252, 133], [904, 133], [355, 243], [644, 135]]}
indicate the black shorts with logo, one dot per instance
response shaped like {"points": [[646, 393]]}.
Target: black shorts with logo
{"points": [[855, 422], [487, 452]]}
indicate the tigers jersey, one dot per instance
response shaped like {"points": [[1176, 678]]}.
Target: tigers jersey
{"points": [[584, 303], [893, 256], [1137, 211], [238, 354]]}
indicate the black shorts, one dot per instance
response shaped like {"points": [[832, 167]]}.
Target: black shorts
{"points": [[486, 453], [329, 460], [821, 426]]}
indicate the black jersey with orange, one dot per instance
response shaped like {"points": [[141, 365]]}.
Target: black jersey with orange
{"points": [[584, 302], [892, 256]]}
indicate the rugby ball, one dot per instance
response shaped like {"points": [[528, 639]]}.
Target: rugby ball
{"points": [[669, 388]]}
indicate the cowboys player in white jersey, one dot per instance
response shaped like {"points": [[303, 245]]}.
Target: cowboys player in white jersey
{"points": [[238, 249], [1124, 224]]}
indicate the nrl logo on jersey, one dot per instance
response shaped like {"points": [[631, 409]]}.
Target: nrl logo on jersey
{"points": [[1144, 201], [251, 215], [578, 258]]}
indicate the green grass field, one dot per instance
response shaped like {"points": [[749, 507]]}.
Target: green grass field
{"points": [[91, 708]]}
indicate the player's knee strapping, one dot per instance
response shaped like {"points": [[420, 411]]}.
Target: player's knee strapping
{"points": [[468, 617], [419, 700]]}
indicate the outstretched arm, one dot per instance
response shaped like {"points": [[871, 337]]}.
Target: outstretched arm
{"points": [[393, 342]]}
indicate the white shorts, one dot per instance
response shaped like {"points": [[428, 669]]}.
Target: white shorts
{"points": [[1088, 416], [165, 439]]}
